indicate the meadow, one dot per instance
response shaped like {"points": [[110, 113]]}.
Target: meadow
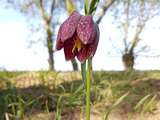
{"points": [[45, 95]]}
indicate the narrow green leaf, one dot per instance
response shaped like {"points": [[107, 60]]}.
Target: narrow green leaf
{"points": [[142, 101], [86, 6], [93, 6], [118, 101], [150, 105], [78, 89]]}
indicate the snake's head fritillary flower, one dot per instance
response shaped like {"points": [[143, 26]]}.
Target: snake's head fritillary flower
{"points": [[79, 36]]}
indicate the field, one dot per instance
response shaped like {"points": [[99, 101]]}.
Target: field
{"points": [[115, 95]]}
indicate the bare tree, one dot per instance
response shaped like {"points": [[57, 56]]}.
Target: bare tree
{"points": [[104, 8], [39, 14], [133, 19], [47, 19]]}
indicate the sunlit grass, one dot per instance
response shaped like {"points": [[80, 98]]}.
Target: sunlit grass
{"points": [[58, 94]]}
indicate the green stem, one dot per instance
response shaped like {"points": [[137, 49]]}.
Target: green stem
{"points": [[88, 88], [83, 72], [86, 6]]}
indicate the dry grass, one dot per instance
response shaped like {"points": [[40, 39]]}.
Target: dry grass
{"points": [[47, 87]]}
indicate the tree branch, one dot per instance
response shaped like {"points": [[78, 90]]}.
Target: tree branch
{"points": [[104, 9], [52, 8], [42, 11]]}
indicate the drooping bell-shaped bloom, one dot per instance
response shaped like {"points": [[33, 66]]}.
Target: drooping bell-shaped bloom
{"points": [[79, 36]]}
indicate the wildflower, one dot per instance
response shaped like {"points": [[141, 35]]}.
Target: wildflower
{"points": [[79, 36]]}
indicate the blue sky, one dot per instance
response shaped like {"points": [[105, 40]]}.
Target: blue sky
{"points": [[13, 45], [15, 54]]}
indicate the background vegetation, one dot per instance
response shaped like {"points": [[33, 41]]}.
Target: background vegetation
{"points": [[53, 95]]}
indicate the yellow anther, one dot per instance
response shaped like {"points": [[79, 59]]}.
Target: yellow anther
{"points": [[77, 45]]}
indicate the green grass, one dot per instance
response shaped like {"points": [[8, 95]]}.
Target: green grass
{"points": [[108, 89]]}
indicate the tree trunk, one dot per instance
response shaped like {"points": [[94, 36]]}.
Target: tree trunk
{"points": [[74, 64], [48, 29], [128, 61], [50, 59], [50, 47]]}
